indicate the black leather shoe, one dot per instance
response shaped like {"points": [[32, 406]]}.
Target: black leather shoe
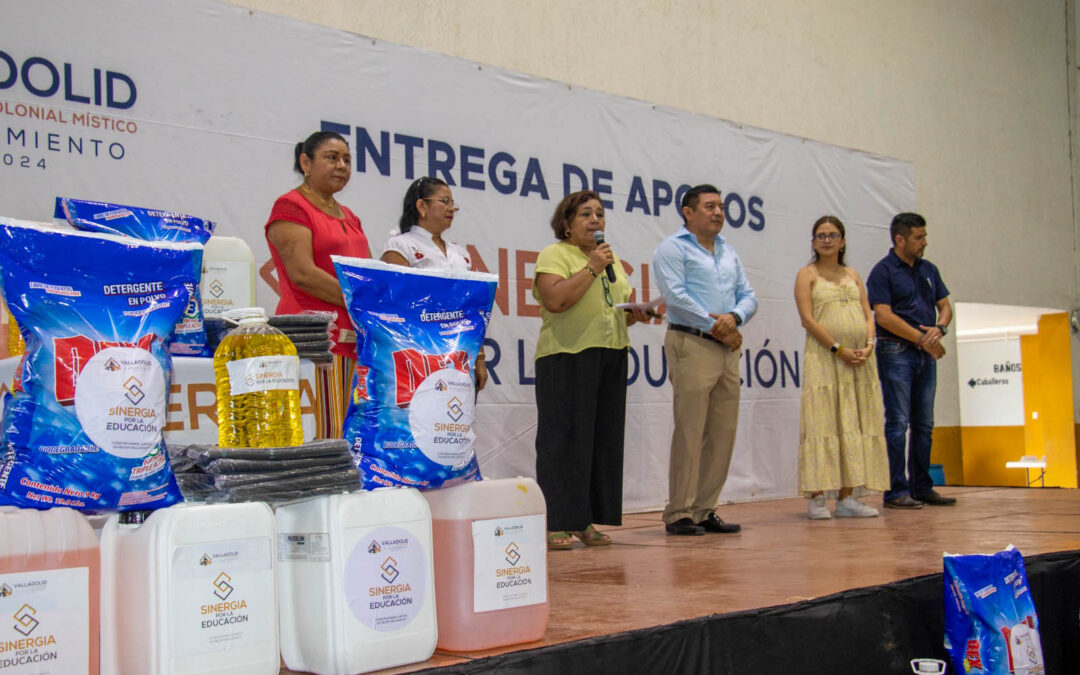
{"points": [[684, 526], [934, 499], [713, 523], [905, 502]]}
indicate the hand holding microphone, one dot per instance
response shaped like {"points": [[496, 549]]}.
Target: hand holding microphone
{"points": [[598, 237]]}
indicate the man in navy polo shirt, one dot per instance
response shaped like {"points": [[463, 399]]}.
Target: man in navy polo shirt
{"points": [[912, 313]]}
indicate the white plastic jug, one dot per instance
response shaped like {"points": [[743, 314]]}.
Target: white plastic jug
{"points": [[355, 582], [490, 563], [49, 585], [228, 276], [191, 589]]}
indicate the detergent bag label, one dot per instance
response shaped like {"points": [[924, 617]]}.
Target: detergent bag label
{"points": [[83, 427], [509, 562], [120, 401], [263, 373], [385, 579], [413, 396], [441, 417], [45, 625], [221, 597], [189, 335], [990, 621]]}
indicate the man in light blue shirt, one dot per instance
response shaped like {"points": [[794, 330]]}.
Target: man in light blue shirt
{"points": [[708, 299]]}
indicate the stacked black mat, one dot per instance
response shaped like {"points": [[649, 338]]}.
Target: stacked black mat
{"points": [[309, 332], [215, 474]]}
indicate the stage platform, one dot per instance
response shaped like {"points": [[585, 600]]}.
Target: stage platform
{"points": [[783, 591]]}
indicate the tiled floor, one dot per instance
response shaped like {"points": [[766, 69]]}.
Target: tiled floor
{"points": [[647, 578]]}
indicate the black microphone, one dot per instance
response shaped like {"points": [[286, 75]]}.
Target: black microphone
{"points": [[598, 237]]}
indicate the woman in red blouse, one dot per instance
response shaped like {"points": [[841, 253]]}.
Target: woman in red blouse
{"points": [[306, 226]]}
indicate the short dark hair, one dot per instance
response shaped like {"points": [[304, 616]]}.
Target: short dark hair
{"points": [[691, 197], [831, 220], [421, 188], [564, 212], [311, 144], [903, 223]]}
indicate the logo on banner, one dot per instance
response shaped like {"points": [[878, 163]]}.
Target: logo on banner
{"points": [[25, 622], [222, 588], [216, 288], [512, 554], [389, 570], [455, 410], [6, 591], [374, 548], [132, 387]]}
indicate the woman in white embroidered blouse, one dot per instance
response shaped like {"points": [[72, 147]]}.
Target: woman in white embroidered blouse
{"points": [[427, 212]]}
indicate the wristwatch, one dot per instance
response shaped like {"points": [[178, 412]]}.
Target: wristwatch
{"points": [[835, 349], [944, 329], [738, 321]]}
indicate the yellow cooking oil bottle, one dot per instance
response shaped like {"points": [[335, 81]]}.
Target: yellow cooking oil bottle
{"points": [[258, 384]]}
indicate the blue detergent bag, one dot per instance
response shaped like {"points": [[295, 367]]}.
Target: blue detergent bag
{"points": [[83, 427], [413, 394], [189, 336], [990, 621]]}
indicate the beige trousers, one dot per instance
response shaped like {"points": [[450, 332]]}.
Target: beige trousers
{"points": [[705, 379]]}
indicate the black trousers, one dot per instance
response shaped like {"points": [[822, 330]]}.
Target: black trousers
{"points": [[581, 415]]}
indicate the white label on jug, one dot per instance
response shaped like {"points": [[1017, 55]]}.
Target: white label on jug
{"points": [[120, 401], [303, 547], [225, 286], [441, 417], [263, 373], [386, 577], [218, 597], [509, 562], [44, 622]]}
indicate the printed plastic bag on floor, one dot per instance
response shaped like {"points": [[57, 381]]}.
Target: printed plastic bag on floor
{"points": [[189, 336], [990, 621], [413, 394], [84, 426]]}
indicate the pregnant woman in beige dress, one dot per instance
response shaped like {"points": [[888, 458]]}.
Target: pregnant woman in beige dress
{"points": [[841, 443]]}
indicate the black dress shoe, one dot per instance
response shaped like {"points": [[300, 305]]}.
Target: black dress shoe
{"points": [[684, 526], [713, 523], [904, 502], [934, 499]]}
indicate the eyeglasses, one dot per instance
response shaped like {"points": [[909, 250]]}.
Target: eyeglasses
{"points": [[446, 201], [827, 236], [607, 291]]}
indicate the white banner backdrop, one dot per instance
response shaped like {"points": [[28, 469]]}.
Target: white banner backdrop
{"points": [[195, 106]]}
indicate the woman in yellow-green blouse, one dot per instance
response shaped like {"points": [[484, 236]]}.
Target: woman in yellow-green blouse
{"points": [[581, 367]]}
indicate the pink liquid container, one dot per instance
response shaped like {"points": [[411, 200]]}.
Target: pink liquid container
{"points": [[49, 593], [490, 552]]}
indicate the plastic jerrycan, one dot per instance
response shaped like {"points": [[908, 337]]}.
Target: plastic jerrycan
{"points": [[49, 592], [190, 589], [356, 582], [490, 563], [228, 275]]}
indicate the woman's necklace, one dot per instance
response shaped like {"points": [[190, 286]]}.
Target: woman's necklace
{"points": [[323, 202]]}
